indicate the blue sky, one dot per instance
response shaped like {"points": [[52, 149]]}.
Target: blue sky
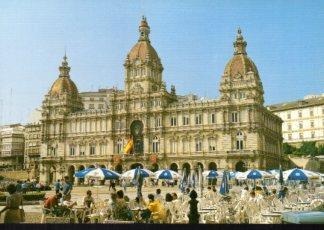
{"points": [[194, 40]]}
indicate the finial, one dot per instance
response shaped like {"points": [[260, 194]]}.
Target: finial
{"points": [[64, 68], [144, 30], [239, 30], [239, 44], [143, 18]]}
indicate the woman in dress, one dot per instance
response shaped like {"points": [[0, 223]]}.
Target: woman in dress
{"points": [[13, 201]]}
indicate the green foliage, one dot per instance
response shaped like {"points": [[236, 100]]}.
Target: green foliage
{"points": [[306, 149], [1, 178], [32, 196]]}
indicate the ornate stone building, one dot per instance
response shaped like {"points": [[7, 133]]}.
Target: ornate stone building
{"points": [[234, 131]]}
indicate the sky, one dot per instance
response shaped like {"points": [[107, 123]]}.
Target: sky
{"points": [[194, 40]]}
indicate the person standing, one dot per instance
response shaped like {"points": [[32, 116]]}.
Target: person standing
{"points": [[57, 186], [193, 207], [67, 187], [13, 201], [124, 184]]}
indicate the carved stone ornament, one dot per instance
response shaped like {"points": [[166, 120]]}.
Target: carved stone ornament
{"points": [[137, 89]]}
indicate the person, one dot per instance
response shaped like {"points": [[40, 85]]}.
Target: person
{"points": [[111, 204], [52, 201], [88, 200], [112, 185], [252, 196], [19, 186], [13, 201], [265, 191], [155, 208], [57, 186], [24, 187], [68, 203], [193, 208], [124, 184], [120, 209], [158, 195], [209, 194], [244, 193], [174, 196], [283, 193], [67, 187]]}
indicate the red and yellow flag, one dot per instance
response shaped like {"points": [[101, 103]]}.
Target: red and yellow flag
{"points": [[129, 146]]}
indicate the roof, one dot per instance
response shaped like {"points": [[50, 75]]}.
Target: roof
{"points": [[315, 101]]}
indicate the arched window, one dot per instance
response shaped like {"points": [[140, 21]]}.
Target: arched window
{"points": [[156, 143], [198, 145], [239, 140], [119, 145]]}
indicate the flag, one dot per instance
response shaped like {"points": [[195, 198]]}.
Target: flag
{"points": [[129, 146]]}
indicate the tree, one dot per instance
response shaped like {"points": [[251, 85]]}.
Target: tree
{"points": [[288, 149], [320, 150], [308, 148]]}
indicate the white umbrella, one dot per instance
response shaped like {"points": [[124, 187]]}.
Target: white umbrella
{"points": [[167, 174], [131, 173]]}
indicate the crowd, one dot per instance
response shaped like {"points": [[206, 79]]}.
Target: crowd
{"points": [[160, 207]]}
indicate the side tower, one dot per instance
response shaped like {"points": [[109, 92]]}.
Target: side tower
{"points": [[63, 98], [251, 135]]}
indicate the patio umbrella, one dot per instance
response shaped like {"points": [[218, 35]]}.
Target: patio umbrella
{"points": [[82, 173], [102, 174], [210, 174], [224, 189], [167, 174], [297, 174], [131, 173]]}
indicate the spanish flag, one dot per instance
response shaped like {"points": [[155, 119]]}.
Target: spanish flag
{"points": [[129, 146]]}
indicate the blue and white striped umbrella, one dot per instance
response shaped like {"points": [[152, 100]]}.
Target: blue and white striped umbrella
{"points": [[167, 174], [82, 173], [101, 173], [131, 173], [210, 174], [296, 174]]}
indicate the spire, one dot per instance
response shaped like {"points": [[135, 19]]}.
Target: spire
{"points": [[64, 68], [144, 30], [239, 44]]}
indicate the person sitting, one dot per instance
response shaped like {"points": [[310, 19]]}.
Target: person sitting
{"points": [[174, 196], [158, 195], [52, 201], [209, 194], [156, 210], [121, 210], [252, 197], [245, 193], [168, 200], [68, 203], [111, 204], [88, 200]]}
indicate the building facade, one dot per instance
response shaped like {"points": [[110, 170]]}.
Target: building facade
{"points": [[303, 120], [235, 131], [12, 146]]}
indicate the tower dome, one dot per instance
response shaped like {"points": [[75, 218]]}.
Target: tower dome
{"points": [[240, 63], [64, 84], [143, 50], [241, 80]]}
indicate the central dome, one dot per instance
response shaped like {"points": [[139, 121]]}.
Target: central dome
{"points": [[143, 50]]}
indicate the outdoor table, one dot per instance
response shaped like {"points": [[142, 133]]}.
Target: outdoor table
{"points": [[208, 209]]}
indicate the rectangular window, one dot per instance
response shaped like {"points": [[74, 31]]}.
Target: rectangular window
{"points": [[72, 151], [91, 99], [173, 121], [311, 113], [301, 136], [289, 127], [239, 144], [288, 115], [92, 150], [185, 120], [158, 122], [313, 134], [100, 106], [198, 119], [300, 114], [91, 106], [312, 124], [300, 125], [235, 117], [198, 146], [213, 118], [289, 136]]}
